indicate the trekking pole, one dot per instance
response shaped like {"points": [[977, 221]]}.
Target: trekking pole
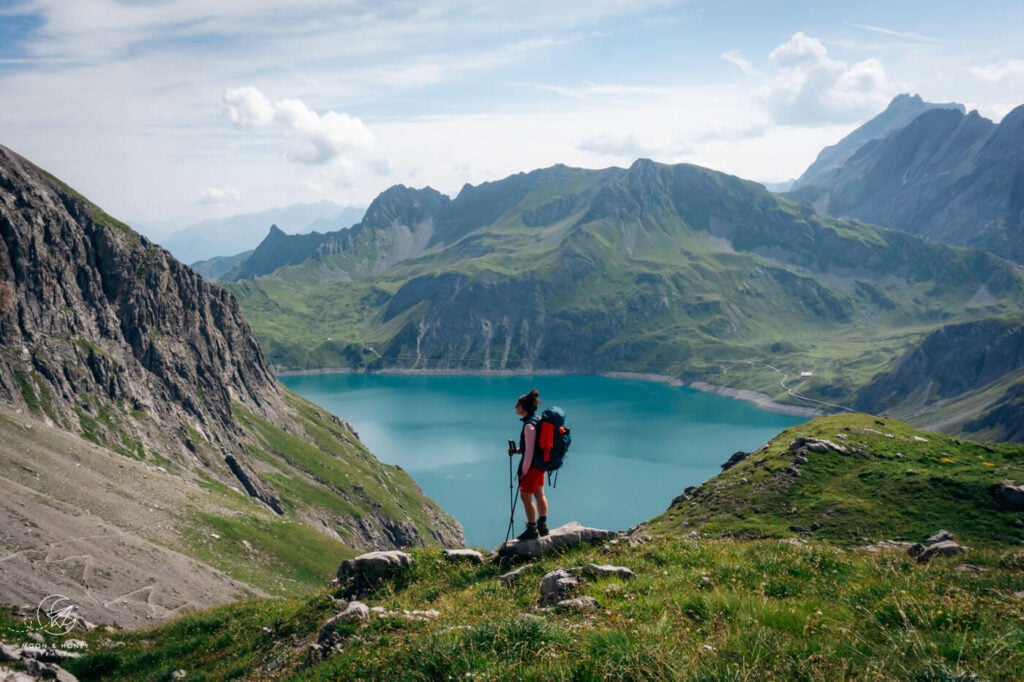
{"points": [[513, 498]]}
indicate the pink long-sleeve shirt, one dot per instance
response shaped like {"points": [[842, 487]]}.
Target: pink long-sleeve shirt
{"points": [[529, 440]]}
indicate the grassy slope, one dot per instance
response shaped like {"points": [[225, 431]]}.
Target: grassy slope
{"points": [[324, 476], [725, 608], [895, 481], [697, 610]]}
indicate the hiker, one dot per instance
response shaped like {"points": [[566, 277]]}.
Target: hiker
{"points": [[531, 479]]}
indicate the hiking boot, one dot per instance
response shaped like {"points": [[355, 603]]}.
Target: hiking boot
{"points": [[542, 528], [529, 534]]}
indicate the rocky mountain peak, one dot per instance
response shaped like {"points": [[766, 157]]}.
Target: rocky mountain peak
{"points": [[901, 111], [404, 205]]}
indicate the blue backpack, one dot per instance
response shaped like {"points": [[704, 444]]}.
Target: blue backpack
{"points": [[553, 440]]}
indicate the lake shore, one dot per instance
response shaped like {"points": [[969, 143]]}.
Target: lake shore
{"points": [[762, 400]]}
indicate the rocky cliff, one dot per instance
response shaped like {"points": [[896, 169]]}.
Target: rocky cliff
{"points": [[103, 331], [104, 335], [969, 374]]}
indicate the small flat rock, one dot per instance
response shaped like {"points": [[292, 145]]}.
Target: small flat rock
{"points": [[470, 556], [578, 604], [886, 545], [571, 534], [941, 536], [608, 571], [512, 577]]}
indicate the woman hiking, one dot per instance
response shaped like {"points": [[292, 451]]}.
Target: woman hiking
{"points": [[531, 480]]}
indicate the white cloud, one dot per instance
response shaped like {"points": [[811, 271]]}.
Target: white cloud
{"points": [[218, 196], [618, 145], [744, 65], [248, 108], [317, 139], [802, 50], [999, 72], [812, 88], [905, 35]]}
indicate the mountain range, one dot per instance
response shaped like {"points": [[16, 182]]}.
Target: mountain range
{"points": [[901, 111], [674, 270], [225, 237], [152, 462]]}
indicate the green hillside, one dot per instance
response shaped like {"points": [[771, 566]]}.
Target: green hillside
{"points": [[875, 479], [724, 589], [675, 270]]}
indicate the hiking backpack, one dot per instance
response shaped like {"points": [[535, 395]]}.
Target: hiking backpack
{"points": [[553, 440]]}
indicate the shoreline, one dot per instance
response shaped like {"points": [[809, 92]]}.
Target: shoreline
{"points": [[761, 400]]}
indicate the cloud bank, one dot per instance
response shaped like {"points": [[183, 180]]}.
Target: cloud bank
{"points": [[812, 88], [316, 139]]}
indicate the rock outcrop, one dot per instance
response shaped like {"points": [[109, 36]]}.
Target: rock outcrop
{"points": [[366, 571], [104, 332]]}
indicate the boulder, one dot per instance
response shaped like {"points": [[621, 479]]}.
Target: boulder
{"points": [[1008, 496], [558, 585], [355, 611], [941, 536], [572, 533], [366, 571], [945, 548], [736, 458]]}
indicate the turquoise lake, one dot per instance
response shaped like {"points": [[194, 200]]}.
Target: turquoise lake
{"points": [[636, 444]]}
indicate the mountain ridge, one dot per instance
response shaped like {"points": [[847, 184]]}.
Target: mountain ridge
{"points": [[224, 237], [902, 110], [945, 176], [107, 338]]}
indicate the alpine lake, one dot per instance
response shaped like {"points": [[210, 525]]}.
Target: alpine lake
{"points": [[636, 444]]}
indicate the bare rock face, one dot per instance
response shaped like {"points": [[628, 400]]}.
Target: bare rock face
{"points": [[106, 333]]}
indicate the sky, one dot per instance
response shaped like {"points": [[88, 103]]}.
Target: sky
{"points": [[166, 112]]}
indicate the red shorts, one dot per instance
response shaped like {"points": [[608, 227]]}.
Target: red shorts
{"points": [[532, 481]]}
